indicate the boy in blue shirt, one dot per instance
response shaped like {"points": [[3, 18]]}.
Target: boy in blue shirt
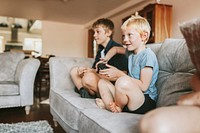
{"points": [[183, 117], [135, 92]]}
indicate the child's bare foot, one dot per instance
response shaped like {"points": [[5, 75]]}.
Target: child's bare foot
{"points": [[190, 99], [100, 103], [114, 108]]}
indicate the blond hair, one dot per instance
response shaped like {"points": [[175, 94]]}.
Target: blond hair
{"points": [[140, 24]]}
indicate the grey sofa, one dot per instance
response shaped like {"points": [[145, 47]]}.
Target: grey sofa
{"points": [[17, 77], [76, 114]]}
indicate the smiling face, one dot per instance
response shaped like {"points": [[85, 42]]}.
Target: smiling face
{"points": [[135, 32], [132, 39], [101, 35]]}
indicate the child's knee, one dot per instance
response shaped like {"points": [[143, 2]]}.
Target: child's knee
{"points": [[122, 81], [90, 79], [73, 71]]}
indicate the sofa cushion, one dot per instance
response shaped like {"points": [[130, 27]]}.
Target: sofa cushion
{"points": [[155, 47], [97, 120], [8, 88], [69, 104], [8, 64], [175, 71]]}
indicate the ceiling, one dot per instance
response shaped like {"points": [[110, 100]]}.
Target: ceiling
{"points": [[68, 11]]}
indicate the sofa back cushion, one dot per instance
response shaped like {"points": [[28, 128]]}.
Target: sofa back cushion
{"points": [[60, 68], [8, 64], [175, 71]]}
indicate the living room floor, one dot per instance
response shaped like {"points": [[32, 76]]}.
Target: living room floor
{"points": [[38, 111]]}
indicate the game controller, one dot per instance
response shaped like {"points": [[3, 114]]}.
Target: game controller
{"points": [[101, 66]]}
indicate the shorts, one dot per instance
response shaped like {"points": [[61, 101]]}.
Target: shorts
{"points": [[148, 105]]}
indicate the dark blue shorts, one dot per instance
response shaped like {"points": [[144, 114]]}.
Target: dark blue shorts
{"points": [[148, 105]]}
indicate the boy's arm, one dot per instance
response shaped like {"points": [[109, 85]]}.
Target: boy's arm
{"points": [[113, 51], [111, 73], [145, 78]]}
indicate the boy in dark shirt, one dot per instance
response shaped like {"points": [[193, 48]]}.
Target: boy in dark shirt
{"points": [[85, 78]]}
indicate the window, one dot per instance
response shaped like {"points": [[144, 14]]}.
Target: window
{"points": [[33, 44]]}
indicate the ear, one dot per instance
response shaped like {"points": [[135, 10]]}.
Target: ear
{"points": [[109, 33], [144, 36]]}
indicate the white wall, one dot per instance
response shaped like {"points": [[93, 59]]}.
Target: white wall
{"points": [[63, 39], [183, 10]]}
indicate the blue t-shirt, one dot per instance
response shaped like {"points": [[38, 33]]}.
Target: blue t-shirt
{"points": [[136, 62]]}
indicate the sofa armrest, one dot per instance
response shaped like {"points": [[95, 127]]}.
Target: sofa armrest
{"points": [[25, 77], [60, 68]]}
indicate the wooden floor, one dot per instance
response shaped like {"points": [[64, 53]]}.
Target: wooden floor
{"points": [[38, 112]]}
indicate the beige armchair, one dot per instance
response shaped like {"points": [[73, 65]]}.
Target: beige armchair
{"points": [[17, 77]]}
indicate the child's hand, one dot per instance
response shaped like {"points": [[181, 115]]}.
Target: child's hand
{"points": [[111, 73], [192, 99], [81, 71], [96, 66]]}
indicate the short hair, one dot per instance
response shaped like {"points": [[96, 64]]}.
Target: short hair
{"points": [[140, 24], [106, 23]]}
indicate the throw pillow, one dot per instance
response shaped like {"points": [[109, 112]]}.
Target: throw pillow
{"points": [[191, 32]]}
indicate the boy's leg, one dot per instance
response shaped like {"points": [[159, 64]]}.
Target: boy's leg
{"points": [[174, 119], [77, 80], [106, 90], [80, 83], [128, 93], [90, 82]]}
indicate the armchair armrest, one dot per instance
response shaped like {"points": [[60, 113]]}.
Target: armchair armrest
{"points": [[25, 77], [60, 68]]}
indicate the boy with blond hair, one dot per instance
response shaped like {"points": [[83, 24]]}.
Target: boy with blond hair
{"points": [[135, 92]]}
